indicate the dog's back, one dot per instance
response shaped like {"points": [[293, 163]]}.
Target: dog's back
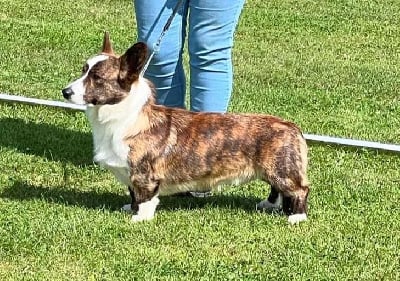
{"points": [[201, 150]]}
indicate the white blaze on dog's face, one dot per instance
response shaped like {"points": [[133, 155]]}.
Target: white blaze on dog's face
{"points": [[106, 78], [77, 87]]}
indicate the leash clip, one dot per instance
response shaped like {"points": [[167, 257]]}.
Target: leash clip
{"points": [[156, 47]]}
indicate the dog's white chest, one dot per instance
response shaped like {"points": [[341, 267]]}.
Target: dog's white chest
{"points": [[112, 153], [110, 126], [110, 150]]}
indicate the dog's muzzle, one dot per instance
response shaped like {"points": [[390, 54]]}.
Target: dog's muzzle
{"points": [[67, 93]]}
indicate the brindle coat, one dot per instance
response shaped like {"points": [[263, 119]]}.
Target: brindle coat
{"points": [[173, 150]]}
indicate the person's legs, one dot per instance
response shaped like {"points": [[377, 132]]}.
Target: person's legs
{"points": [[165, 69], [212, 24]]}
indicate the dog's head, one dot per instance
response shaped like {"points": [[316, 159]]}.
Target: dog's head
{"points": [[107, 78]]}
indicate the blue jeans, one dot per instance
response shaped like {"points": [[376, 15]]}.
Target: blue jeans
{"points": [[210, 26]]}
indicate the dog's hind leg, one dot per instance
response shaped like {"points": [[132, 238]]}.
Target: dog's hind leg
{"points": [[287, 205], [289, 176], [298, 205], [292, 184], [294, 200], [295, 193], [273, 202]]}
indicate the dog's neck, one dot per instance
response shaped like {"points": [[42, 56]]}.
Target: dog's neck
{"points": [[111, 124], [127, 111]]}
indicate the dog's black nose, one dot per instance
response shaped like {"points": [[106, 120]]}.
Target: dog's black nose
{"points": [[67, 93]]}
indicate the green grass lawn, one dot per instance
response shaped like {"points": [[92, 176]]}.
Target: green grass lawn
{"points": [[331, 66]]}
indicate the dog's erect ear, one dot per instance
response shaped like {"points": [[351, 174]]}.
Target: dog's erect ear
{"points": [[107, 47], [132, 63]]}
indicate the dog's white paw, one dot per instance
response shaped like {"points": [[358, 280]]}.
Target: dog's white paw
{"points": [[296, 218], [127, 208], [146, 210]]}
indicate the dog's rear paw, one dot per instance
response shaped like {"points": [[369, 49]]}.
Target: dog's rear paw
{"points": [[296, 218], [265, 205]]}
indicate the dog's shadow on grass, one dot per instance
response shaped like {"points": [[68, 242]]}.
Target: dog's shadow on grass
{"points": [[113, 201], [45, 140]]}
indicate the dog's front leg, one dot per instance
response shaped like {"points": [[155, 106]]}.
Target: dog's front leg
{"points": [[132, 207], [146, 198]]}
